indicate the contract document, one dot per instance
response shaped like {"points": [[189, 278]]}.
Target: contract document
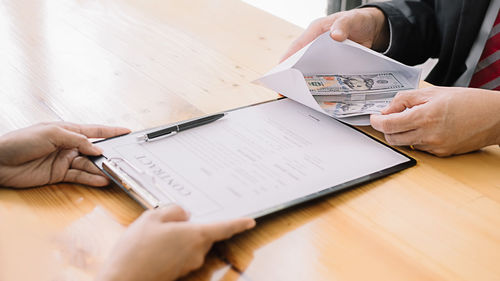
{"points": [[252, 162]]}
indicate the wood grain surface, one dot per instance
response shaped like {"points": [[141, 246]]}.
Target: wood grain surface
{"points": [[146, 63]]}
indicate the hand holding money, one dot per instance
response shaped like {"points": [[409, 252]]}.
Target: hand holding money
{"points": [[366, 26], [442, 120]]}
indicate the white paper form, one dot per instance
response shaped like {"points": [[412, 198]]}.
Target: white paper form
{"points": [[254, 160], [327, 56]]}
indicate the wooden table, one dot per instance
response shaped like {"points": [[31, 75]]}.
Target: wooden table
{"points": [[145, 63]]}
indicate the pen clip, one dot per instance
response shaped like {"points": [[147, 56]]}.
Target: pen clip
{"points": [[146, 139]]}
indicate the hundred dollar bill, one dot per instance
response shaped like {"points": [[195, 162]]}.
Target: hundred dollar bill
{"points": [[349, 109], [355, 97], [355, 83]]}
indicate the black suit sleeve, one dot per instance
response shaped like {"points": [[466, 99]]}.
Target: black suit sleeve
{"points": [[414, 32]]}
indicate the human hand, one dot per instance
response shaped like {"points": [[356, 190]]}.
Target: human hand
{"points": [[442, 120], [366, 26], [162, 245], [48, 153]]}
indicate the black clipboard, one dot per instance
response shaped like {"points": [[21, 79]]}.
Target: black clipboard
{"points": [[139, 190]]}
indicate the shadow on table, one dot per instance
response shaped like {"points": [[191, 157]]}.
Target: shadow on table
{"points": [[239, 250]]}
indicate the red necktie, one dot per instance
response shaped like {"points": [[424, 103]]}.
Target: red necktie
{"points": [[487, 74]]}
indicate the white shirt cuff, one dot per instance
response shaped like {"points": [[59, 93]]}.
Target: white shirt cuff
{"points": [[390, 39]]}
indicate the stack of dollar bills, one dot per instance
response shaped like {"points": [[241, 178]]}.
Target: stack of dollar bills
{"points": [[357, 94]]}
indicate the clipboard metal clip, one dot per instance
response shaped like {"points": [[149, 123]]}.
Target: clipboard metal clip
{"points": [[132, 183]]}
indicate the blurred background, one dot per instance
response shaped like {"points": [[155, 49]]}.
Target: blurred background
{"points": [[301, 13]]}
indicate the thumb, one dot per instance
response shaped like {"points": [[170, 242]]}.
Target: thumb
{"points": [[404, 100], [315, 29], [341, 28], [172, 213], [62, 138], [224, 230]]}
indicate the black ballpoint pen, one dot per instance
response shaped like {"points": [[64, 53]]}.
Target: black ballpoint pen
{"points": [[183, 126]]}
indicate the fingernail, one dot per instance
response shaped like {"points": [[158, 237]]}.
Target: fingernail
{"points": [[384, 110], [98, 149], [337, 32], [251, 224]]}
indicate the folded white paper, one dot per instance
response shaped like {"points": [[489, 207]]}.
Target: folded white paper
{"points": [[326, 56]]}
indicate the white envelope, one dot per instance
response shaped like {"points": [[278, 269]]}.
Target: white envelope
{"points": [[327, 56]]}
